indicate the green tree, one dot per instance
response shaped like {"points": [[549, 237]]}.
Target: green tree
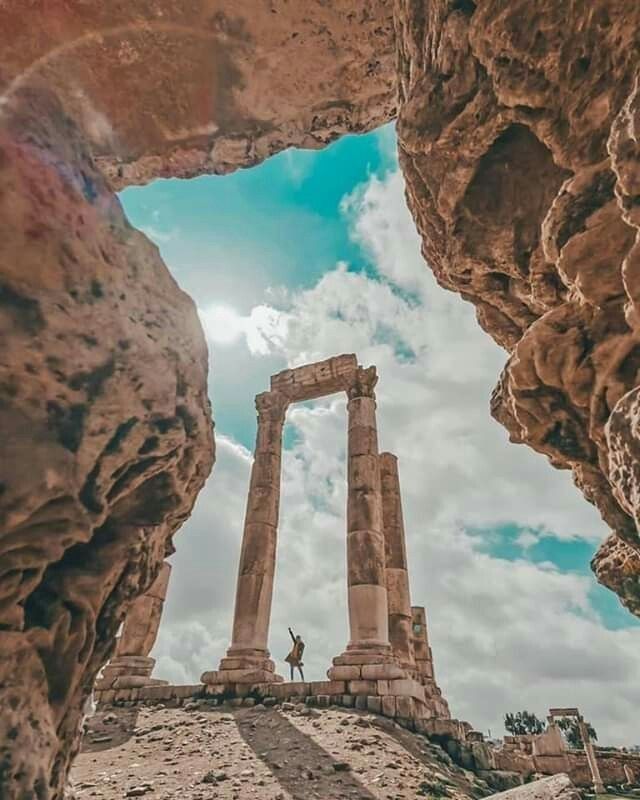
{"points": [[569, 726], [523, 722]]}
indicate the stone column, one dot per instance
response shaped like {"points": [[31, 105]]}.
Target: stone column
{"points": [[366, 580], [131, 666], [368, 610], [598, 786], [247, 659], [397, 576]]}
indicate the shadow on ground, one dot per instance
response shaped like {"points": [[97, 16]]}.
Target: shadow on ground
{"points": [[105, 729], [300, 765]]}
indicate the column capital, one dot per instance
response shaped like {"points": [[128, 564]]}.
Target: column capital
{"points": [[271, 406], [364, 382]]}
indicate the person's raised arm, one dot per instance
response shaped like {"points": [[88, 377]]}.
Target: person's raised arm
{"points": [[293, 638]]}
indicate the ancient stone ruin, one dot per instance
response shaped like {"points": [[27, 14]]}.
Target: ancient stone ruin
{"points": [[387, 659], [131, 666], [518, 133]]}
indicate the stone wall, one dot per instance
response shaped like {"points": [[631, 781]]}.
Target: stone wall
{"points": [[574, 762]]}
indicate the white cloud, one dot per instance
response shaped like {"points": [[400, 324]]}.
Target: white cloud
{"points": [[506, 635], [264, 328]]}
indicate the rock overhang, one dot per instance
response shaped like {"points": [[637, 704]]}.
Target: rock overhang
{"points": [[179, 88]]}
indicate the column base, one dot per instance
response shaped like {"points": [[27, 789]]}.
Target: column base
{"points": [[373, 672], [370, 661], [241, 666], [128, 672]]}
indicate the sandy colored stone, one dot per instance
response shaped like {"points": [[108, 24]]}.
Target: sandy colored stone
{"points": [[346, 673], [142, 622], [556, 787], [263, 753], [177, 89], [521, 164], [382, 672], [319, 379], [396, 573], [105, 427]]}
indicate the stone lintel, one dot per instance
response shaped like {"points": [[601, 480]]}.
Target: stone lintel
{"points": [[310, 381]]}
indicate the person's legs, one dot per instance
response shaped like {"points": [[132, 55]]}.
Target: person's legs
{"points": [[291, 668], [301, 673]]}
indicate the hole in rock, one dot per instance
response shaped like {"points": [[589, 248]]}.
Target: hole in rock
{"points": [[310, 255]]}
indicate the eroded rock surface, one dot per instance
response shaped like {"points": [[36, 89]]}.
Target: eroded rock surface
{"points": [[555, 787], [263, 753], [104, 420], [105, 429], [176, 88], [519, 141]]}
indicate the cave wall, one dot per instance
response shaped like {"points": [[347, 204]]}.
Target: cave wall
{"points": [[518, 136], [106, 434], [177, 88], [105, 428]]}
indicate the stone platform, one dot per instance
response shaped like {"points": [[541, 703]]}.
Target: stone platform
{"points": [[404, 700]]}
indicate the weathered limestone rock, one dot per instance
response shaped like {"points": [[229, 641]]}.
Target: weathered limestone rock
{"points": [[519, 130], [104, 419], [177, 88], [397, 576], [247, 658], [557, 787], [105, 429], [131, 666], [617, 565], [366, 578], [423, 658]]}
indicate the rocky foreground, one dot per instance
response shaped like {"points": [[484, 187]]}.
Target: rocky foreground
{"points": [[201, 753]]}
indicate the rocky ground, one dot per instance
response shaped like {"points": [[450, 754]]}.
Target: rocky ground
{"points": [[280, 753]]}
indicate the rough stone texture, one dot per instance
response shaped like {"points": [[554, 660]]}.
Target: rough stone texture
{"points": [[397, 576], [617, 566], [177, 88], [105, 429], [290, 751], [423, 657], [104, 420], [131, 665], [557, 787], [519, 142]]}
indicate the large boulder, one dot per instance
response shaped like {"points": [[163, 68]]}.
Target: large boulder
{"points": [[556, 787]]}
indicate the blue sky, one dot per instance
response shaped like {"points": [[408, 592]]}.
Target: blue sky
{"points": [[312, 254], [567, 555], [281, 225]]}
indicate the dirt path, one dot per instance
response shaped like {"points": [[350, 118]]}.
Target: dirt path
{"points": [[267, 754]]}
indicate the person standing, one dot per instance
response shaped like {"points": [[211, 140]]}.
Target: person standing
{"points": [[294, 659]]}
